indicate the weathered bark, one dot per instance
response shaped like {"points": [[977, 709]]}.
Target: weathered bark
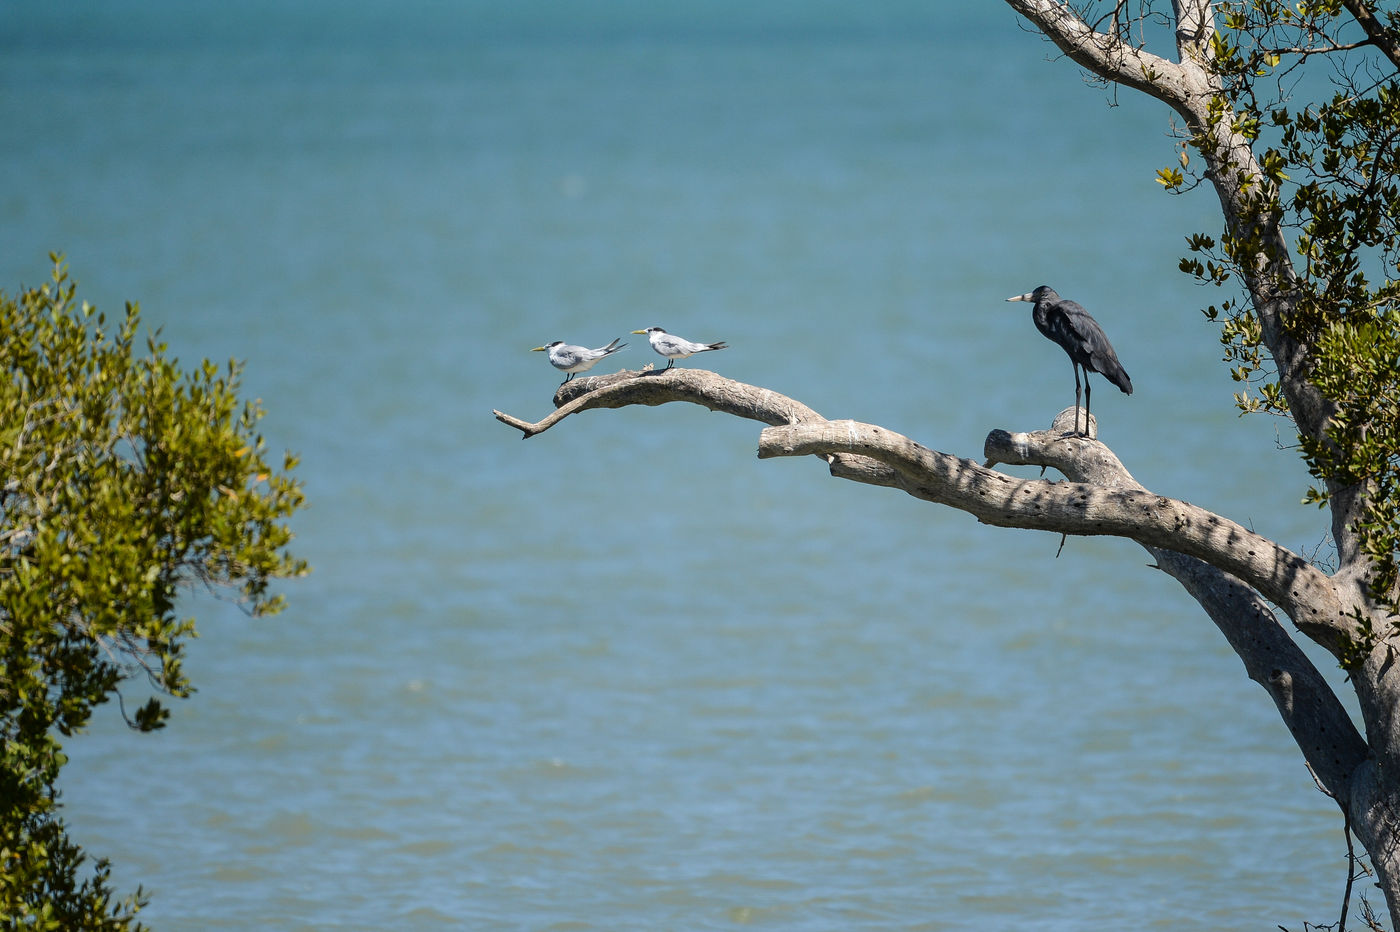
{"points": [[658, 386]]}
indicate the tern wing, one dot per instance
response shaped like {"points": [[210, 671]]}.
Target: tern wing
{"points": [[668, 345]]}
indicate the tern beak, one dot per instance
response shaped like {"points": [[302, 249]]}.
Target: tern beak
{"points": [[1022, 297], [538, 349], [639, 331]]}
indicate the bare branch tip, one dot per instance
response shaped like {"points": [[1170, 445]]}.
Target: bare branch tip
{"points": [[527, 430]]}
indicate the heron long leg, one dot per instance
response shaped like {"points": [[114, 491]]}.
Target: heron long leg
{"points": [[1086, 402], [1076, 397]]}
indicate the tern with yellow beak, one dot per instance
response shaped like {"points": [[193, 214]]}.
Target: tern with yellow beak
{"points": [[575, 359], [673, 347]]}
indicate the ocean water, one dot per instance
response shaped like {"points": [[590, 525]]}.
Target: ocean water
{"points": [[624, 675]]}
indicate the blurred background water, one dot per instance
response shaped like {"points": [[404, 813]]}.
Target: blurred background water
{"points": [[625, 676]]}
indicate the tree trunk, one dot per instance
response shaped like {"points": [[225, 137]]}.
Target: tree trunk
{"points": [[1360, 777]]}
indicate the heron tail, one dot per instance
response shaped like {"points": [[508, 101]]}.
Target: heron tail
{"points": [[1103, 360], [1116, 374]]}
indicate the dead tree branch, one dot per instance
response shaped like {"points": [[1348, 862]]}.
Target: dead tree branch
{"points": [[1227, 568], [877, 456]]}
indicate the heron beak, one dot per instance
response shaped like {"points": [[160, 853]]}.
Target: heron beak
{"points": [[1023, 297], [639, 331], [538, 349]]}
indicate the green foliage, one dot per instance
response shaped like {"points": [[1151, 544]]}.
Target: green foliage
{"points": [[123, 479], [1328, 177], [1358, 367]]}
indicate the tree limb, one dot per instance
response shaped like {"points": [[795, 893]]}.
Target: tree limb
{"points": [[656, 387], [874, 455], [1105, 54], [1383, 38], [1284, 578]]}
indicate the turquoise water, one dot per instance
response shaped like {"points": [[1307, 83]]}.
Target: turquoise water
{"points": [[626, 676]]}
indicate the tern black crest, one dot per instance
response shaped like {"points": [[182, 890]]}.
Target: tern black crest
{"points": [[1082, 339]]}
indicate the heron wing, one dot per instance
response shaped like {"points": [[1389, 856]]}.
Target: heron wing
{"points": [[1064, 324], [1087, 344]]}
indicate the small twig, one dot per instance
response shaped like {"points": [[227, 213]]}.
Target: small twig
{"points": [[1318, 783], [1352, 861], [1351, 872]]}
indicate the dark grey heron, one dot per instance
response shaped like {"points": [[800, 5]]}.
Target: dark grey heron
{"points": [[1079, 335]]}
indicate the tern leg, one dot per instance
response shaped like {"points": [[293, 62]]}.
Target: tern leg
{"points": [[670, 363]]}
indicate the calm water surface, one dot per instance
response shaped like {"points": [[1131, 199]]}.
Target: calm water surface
{"points": [[625, 676]]}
